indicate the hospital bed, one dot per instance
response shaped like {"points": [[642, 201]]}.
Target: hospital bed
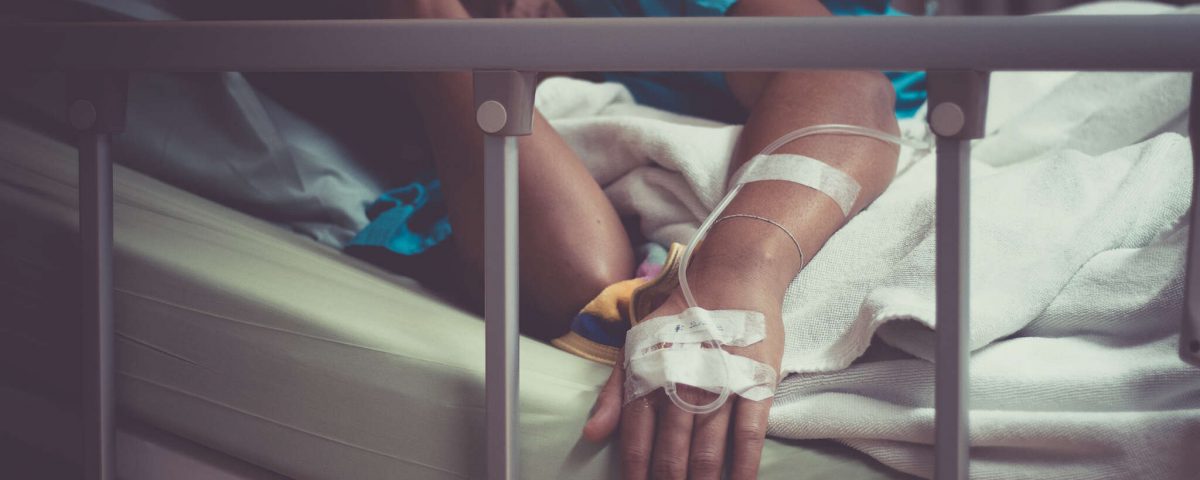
{"points": [[289, 356], [249, 339]]}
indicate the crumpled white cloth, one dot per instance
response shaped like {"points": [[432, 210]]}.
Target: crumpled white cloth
{"points": [[1078, 241]]}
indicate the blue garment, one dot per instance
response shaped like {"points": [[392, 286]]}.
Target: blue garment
{"points": [[705, 94], [408, 220]]}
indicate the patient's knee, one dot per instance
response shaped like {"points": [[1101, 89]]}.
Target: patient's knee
{"points": [[557, 290], [599, 273]]}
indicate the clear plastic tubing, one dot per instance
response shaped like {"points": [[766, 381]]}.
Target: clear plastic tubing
{"points": [[824, 129]]}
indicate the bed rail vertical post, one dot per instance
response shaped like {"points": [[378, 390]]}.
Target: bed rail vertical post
{"points": [[503, 110], [96, 109], [957, 107], [1189, 336]]}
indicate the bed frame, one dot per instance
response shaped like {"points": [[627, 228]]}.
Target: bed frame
{"points": [[505, 55]]}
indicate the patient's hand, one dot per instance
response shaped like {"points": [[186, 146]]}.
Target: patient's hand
{"points": [[660, 440]]}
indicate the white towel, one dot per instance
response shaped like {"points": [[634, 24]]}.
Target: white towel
{"points": [[1075, 300], [1077, 252]]}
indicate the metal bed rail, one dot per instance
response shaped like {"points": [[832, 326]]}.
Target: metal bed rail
{"points": [[506, 54]]}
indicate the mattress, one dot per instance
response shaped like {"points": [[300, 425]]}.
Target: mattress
{"points": [[267, 346]]}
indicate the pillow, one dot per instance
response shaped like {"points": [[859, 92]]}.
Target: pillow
{"points": [[217, 136]]}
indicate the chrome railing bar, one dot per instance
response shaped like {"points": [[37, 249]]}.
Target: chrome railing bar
{"points": [[503, 111], [957, 109], [96, 110], [1145, 42], [1189, 336]]}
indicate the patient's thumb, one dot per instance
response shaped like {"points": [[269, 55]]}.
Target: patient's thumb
{"points": [[606, 414]]}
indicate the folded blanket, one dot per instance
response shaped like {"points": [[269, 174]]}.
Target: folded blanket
{"points": [[1078, 229]]}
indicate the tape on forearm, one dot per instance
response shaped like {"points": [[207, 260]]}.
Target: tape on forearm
{"points": [[807, 171], [685, 349]]}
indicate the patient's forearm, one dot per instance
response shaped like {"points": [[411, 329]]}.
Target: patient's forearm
{"points": [[572, 241], [784, 102], [780, 103]]}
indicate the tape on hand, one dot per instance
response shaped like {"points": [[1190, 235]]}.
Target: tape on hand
{"points": [[686, 349]]}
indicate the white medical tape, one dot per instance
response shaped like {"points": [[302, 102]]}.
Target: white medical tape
{"points": [[702, 368], [685, 349], [738, 328], [807, 171]]}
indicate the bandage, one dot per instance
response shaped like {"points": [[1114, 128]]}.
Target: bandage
{"points": [[799, 169], [687, 349]]}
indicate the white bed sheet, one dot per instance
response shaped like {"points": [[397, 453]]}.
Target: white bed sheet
{"points": [[259, 343]]}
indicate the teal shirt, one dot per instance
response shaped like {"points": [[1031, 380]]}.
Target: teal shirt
{"points": [[705, 94]]}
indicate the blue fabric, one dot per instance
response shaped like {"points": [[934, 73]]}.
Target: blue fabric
{"points": [[408, 220], [860, 7], [705, 94], [649, 8], [599, 330]]}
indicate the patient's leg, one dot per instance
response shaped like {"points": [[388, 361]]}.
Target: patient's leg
{"points": [[572, 242]]}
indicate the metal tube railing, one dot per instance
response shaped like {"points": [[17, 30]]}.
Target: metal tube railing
{"points": [[503, 111], [1189, 336], [1157, 42], [500, 303], [95, 222], [951, 370], [957, 113], [960, 46], [96, 110]]}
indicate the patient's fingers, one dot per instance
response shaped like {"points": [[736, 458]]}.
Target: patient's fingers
{"points": [[709, 434], [749, 433], [637, 437], [606, 414], [672, 441]]}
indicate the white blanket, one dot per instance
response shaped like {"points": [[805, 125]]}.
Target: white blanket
{"points": [[1078, 201]]}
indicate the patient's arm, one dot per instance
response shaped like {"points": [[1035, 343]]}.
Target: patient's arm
{"points": [[748, 264], [572, 242]]}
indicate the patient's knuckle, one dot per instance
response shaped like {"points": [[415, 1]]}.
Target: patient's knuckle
{"points": [[612, 388], [640, 406], [749, 436], [694, 395], [706, 463], [669, 467], [635, 455]]}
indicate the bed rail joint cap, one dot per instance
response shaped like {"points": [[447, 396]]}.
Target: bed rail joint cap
{"points": [[504, 101], [958, 103], [96, 101]]}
